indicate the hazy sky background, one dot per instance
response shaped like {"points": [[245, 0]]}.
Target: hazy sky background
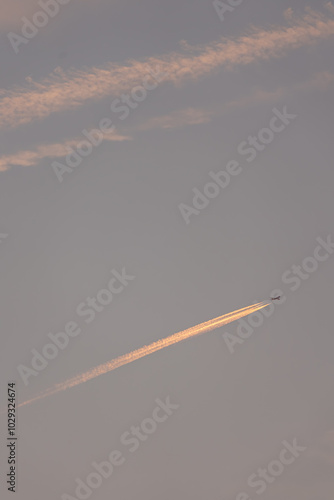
{"points": [[120, 209]]}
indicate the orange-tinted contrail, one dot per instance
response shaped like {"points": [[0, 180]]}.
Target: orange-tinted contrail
{"points": [[207, 326]]}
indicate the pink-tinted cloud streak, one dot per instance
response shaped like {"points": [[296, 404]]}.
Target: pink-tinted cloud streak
{"points": [[68, 90]]}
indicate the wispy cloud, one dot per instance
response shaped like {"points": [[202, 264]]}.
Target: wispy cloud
{"points": [[196, 116], [174, 120], [319, 81], [68, 90], [177, 119], [30, 158]]}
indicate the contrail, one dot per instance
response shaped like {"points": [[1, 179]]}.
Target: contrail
{"points": [[205, 327]]}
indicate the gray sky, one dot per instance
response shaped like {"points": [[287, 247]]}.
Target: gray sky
{"points": [[221, 78]]}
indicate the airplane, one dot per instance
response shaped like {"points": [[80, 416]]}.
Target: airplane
{"points": [[276, 298]]}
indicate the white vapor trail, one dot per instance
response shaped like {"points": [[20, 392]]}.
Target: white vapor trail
{"points": [[107, 367]]}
